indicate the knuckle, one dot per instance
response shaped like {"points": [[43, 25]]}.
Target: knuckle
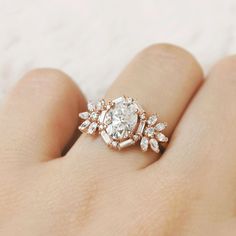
{"points": [[171, 57], [166, 51], [45, 75], [45, 80]]}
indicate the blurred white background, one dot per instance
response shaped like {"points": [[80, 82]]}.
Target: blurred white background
{"points": [[93, 40]]}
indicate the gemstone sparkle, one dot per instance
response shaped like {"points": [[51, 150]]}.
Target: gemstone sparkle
{"points": [[144, 143], [121, 119]]}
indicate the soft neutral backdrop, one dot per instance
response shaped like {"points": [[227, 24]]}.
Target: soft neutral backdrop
{"points": [[93, 40]]}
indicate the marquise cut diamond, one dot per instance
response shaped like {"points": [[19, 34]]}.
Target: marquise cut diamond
{"points": [[154, 145], [84, 115], [152, 119], [160, 126], [84, 125], [92, 128], [161, 138], [144, 144]]}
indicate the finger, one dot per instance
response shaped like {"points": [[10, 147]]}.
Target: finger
{"points": [[162, 78], [205, 138], [39, 116]]}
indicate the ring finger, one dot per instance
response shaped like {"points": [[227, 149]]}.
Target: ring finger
{"points": [[163, 78]]}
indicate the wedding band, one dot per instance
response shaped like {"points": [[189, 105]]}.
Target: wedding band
{"points": [[122, 122]]}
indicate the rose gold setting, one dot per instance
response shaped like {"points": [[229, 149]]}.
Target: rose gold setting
{"points": [[122, 122]]}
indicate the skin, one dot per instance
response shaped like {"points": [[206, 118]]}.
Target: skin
{"points": [[93, 190]]}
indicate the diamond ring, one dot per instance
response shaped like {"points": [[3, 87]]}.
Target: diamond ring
{"points": [[122, 122]]}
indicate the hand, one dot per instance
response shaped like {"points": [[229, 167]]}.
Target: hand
{"points": [[190, 190]]}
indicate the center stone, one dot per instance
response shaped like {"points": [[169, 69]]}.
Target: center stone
{"points": [[121, 119]]}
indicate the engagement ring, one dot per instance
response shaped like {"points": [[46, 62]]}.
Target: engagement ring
{"points": [[122, 122]]}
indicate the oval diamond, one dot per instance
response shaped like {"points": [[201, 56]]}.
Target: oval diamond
{"points": [[121, 119]]}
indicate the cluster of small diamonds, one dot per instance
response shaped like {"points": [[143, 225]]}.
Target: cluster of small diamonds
{"points": [[149, 131], [91, 117], [152, 134]]}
